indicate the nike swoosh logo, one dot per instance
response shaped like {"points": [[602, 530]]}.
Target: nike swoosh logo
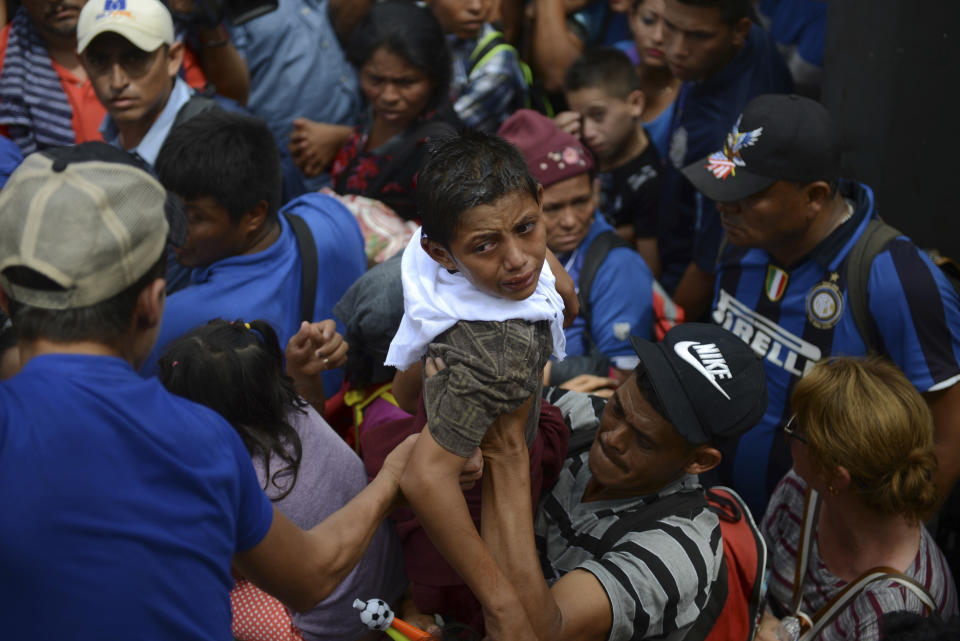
{"points": [[683, 351]]}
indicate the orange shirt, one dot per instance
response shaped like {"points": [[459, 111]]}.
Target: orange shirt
{"points": [[88, 112]]}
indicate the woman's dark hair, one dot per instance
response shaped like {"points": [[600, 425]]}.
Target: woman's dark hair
{"points": [[409, 32], [236, 368]]}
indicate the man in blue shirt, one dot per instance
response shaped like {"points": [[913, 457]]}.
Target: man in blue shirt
{"points": [[782, 281], [724, 60], [124, 506], [621, 300], [244, 255]]}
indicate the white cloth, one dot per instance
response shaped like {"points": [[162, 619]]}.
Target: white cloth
{"points": [[434, 300]]}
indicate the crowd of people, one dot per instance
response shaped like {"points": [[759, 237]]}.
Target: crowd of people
{"points": [[462, 305]]}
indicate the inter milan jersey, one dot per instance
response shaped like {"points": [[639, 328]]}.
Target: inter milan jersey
{"points": [[794, 316]]}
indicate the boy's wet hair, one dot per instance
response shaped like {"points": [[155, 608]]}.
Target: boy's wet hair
{"points": [[465, 171], [603, 68]]}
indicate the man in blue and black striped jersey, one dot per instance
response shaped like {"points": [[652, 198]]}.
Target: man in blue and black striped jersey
{"points": [[791, 224], [580, 573]]}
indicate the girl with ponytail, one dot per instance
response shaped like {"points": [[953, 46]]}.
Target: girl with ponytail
{"points": [[236, 368], [861, 438]]}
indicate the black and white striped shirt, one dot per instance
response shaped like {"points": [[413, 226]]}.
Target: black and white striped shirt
{"points": [[658, 579]]}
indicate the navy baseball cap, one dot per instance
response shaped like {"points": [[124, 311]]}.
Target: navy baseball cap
{"points": [[711, 385], [777, 137]]}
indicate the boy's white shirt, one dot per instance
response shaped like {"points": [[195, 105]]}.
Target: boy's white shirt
{"points": [[434, 300]]}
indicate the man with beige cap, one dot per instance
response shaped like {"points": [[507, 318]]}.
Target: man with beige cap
{"points": [[128, 50], [123, 506]]}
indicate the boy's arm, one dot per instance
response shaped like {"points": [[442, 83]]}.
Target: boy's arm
{"points": [[429, 483], [407, 385], [566, 288], [577, 608]]}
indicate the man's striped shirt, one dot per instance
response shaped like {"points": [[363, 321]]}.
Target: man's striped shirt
{"points": [[657, 578]]}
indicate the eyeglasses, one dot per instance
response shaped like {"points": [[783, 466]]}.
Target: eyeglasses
{"points": [[789, 430]]}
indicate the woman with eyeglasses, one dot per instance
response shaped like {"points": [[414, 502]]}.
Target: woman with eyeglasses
{"points": [[844, 529]]}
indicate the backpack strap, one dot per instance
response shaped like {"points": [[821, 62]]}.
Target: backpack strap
{"points": [[678, 503], [309, 264], [682, 503], [841, 600], [666, 312], [811, 513], [486, 47], [197, 104], [711, 610], [874, 239], [602, 244], [732, 509]]}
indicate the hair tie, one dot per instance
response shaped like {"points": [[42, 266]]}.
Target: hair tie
{"points": [[256, 333]]}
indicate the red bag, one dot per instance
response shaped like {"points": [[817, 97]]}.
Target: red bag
{"points": [[732, 613]]}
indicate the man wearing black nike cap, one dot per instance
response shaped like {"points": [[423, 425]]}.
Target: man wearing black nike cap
{"points": [[800, 238], [697, 388]]}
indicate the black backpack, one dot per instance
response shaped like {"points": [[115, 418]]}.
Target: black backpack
{"points": [[667, 313], [871, 243]]}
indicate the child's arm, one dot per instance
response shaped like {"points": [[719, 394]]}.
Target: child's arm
{"points": [[407, 385], [430, 484], [566, 288], [315, 348]]}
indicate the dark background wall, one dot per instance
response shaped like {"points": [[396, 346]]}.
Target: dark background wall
{"points": [[892, 81]]}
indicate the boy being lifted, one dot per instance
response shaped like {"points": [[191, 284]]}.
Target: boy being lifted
{"points": [[479, 299]]}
